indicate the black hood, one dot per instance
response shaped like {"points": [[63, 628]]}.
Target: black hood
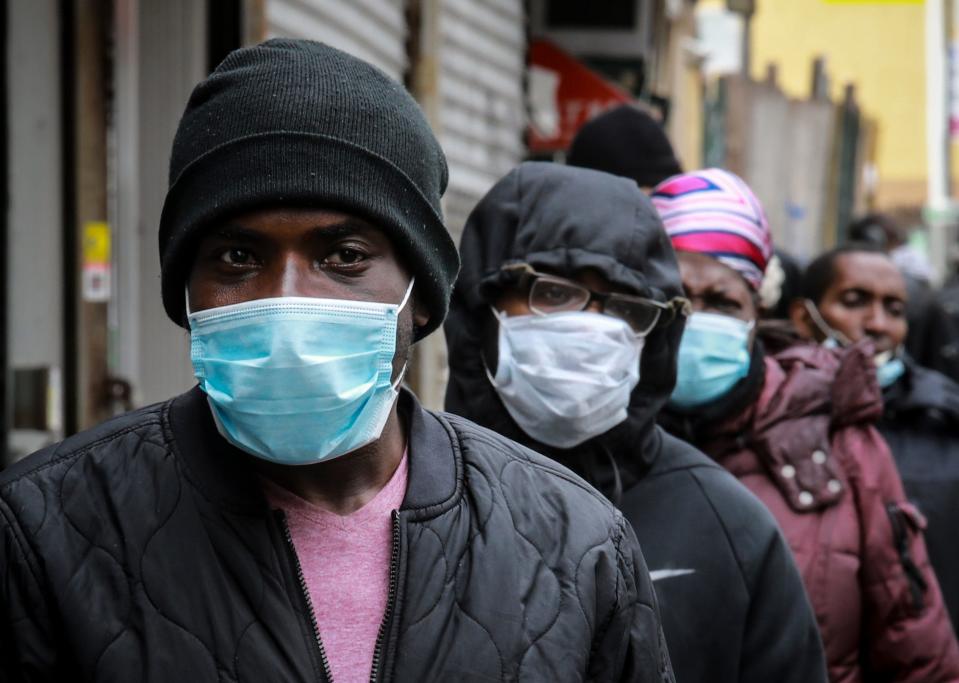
{"points": [[564, 219]]}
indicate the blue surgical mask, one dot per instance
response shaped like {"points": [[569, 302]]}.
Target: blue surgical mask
{"points": [[889, 368], [713, 357], [889, 365], [295, 380]]}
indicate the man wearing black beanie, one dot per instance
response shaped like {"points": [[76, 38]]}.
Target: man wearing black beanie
{"points": [[628, 142], [295, 516]]}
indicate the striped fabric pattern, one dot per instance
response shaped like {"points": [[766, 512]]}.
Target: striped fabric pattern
{"points": [[714, 212]]}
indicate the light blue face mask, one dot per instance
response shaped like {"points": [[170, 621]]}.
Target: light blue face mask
{"points": [[889, 365], [713, 356], [889, 368], [295, 380]]}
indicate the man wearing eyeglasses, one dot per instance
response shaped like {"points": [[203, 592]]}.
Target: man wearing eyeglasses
{"points": [[563, 334]]}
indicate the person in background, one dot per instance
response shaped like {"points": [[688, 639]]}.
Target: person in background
{"points": [[628, 142], [295, 517], [948, 300], [855, 292], [562, 335], [931, 336], [797, 428]]}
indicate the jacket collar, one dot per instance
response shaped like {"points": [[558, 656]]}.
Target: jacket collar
{"points": [[921, 390], [225, 475]]}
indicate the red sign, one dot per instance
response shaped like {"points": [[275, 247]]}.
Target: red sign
{"points": [[564, 94]]}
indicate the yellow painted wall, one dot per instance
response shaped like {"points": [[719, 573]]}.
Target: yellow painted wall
{"points": [[879, 46]]}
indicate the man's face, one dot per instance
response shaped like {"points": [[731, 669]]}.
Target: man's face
{"points": [[867, 298], [302, 252]]}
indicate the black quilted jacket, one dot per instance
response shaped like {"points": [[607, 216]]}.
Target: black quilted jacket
{"points": [[143, 550], [920, 423]]}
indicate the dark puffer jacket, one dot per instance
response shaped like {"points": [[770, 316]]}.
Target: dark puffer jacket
{"points": [[920, 422], [804, 442], [143, 550], [731, 599]]}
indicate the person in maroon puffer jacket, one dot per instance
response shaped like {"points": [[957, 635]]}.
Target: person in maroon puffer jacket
{"points": [[795, 424]]}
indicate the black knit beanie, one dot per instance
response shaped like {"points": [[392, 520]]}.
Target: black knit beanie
{"points": [[297, 123], [628, 142]]}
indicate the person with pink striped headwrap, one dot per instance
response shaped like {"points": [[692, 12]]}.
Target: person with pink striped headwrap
{"points": [[714, 212], [797, 428]]}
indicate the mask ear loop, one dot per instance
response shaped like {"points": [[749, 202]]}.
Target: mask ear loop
{"points": [[406, 298], [823, 326], [186, 300], [399, 380], [498, 315]]}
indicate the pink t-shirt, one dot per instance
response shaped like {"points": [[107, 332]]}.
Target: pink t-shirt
{"points": [[346, 564]]}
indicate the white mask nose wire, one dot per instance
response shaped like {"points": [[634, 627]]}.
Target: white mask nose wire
{"points": [[406, 297]]}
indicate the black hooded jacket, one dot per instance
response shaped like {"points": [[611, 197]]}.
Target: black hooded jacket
{"points": [[920, 423], [732, 602]]}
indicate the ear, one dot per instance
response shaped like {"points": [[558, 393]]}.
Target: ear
{"points": [[421, 315], [802, 321]]}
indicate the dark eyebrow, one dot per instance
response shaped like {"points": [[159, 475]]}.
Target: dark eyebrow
{"points": [[236, 233], [718, 291], [348, 226], [858, 291], [344, 228]]}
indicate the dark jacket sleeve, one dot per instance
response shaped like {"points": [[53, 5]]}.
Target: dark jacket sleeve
{"points": [[27, 645], [781, 640], [630, 645], [910, 639]]}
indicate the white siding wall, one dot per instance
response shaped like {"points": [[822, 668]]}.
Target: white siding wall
{"points": [[482, 53], [374, 30], [161, 56]]}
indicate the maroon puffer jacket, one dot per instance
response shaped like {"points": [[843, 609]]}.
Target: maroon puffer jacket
{"points": [[808, 449]]}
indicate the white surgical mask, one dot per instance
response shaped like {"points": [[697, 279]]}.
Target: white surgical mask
{"points": [[566, 377]]}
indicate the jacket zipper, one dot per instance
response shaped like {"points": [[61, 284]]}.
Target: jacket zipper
{"points": [[305, 596], [390, 598]]}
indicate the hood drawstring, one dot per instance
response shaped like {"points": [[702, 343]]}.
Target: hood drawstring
{"points": [[590, 471], [617, 494]]}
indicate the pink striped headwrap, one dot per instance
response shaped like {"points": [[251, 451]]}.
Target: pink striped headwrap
{"points": [[714, 212]]}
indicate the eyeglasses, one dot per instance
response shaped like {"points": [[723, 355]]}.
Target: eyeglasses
{"points": [[550, 294]]}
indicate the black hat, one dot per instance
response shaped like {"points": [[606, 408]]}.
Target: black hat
{"points": [[299, 123], [628, 142]]}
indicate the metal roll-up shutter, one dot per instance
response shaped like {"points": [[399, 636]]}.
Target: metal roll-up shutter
{"points": [[482, 57], [374, 30]]}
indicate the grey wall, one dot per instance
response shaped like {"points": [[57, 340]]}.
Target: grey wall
{"points": [[161, 56], [35, 277]]}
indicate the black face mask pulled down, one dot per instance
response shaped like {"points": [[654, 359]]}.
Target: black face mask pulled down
{"points": [[564, 220]]}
